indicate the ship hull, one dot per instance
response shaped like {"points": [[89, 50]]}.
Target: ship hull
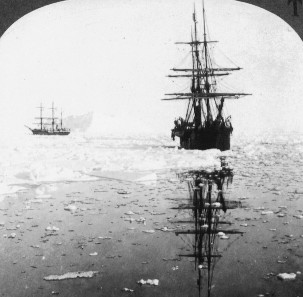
{"points": [[205, 138], [50, 133]]}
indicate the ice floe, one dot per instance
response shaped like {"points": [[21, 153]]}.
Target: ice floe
{"points": [[286, 276], [71, 275], [151, 282]]}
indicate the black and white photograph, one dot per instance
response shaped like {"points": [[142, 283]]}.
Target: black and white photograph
{"points": [[151, 148]]}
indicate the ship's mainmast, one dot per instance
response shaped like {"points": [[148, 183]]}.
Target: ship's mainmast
{"points": [[197, 89], [53, 118], [207, 85], [61, 120]]}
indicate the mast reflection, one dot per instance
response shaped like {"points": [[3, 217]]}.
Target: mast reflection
{"points": [[207, 203]]}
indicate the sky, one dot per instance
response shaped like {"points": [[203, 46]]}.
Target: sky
{"points": [[112, 57]]}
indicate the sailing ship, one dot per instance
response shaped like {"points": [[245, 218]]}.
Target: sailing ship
{"points": [[205, 126], [49, 125]]}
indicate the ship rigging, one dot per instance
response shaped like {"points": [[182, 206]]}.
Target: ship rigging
{"points": [[49, 125], [204, 126]]}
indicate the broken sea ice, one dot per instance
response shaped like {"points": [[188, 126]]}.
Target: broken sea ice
{"points": [[152, 282], [71, 208], [127, 290], [12, 235], [71, 275], [286, 276], [54, 228], [266, 212]]}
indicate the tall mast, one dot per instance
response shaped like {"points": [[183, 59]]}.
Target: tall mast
{"points": [[193, 86], [41, 119], [196, 51], [207, 85], [53, 117], [197, 109], [61, 120]]}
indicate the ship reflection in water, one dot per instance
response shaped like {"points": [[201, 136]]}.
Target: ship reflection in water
{"points": [[207, 204]]}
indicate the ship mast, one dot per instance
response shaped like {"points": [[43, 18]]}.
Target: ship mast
{"points": [[41, 119], [41, 116], [61, 120], [201, 76], [197, 102], [207, 85], [53, 117]]}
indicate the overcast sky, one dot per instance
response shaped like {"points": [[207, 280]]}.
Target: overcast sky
{"points": [[111, 57]]}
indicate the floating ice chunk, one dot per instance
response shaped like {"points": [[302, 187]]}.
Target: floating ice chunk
{"points": [[35, 246], [129, 219], [166, 229], [130, 213], [12, 235], [286, 276], [141, 282], [127, 290], [298, 216], [54, 228], [148, 231], [71, 207], [71, 275], [266, 212], [152, 282], [141, 220]]}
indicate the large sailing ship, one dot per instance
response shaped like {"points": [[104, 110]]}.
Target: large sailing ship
{"points": [[205, 126], [49, 125]]}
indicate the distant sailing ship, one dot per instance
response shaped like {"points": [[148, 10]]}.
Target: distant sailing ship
{"points": [[204, 126], [49, 125]]}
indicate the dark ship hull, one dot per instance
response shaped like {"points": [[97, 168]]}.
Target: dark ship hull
{"points": [[46, 132], [206, 138]]}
